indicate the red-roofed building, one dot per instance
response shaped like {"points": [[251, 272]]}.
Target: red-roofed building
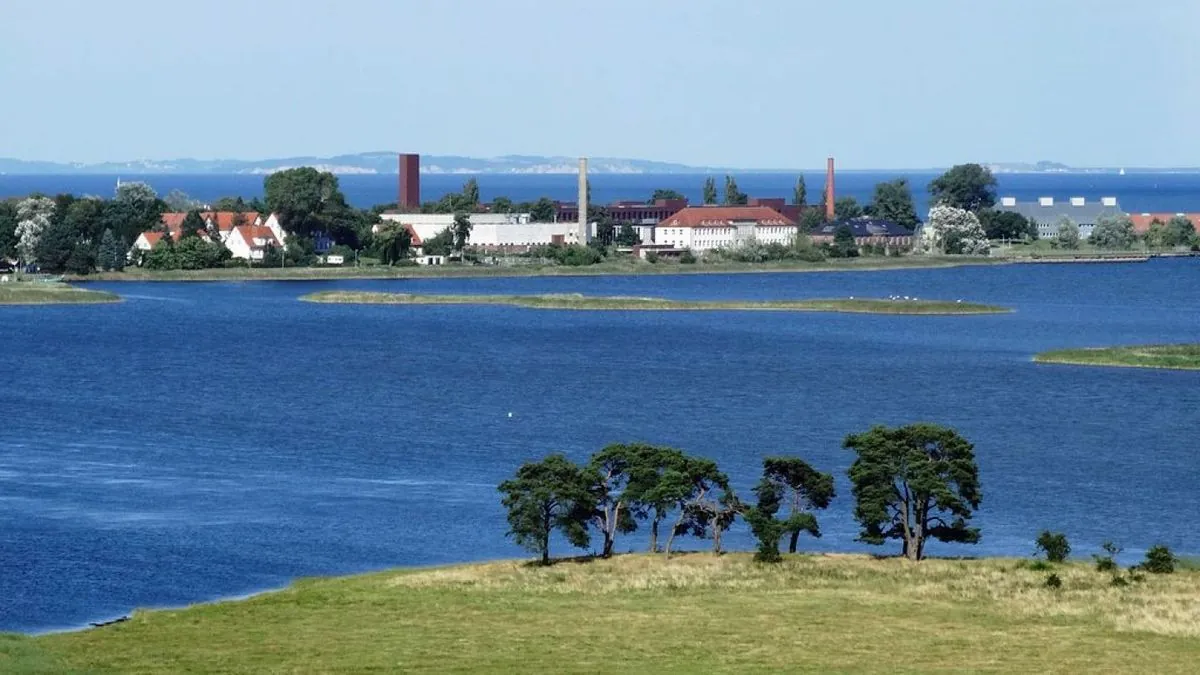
{"points": [[250, 242], [218, 223], [704, 228], [1141, 221]]}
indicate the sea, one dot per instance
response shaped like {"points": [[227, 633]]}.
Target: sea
{"points": [[1136, 192], [201, 441]]}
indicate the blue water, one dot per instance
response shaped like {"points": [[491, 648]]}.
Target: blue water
{"points": [[213, 439], [1136, 192]]}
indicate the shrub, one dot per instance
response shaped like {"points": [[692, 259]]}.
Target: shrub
{"points": [[1053, 581], [1054, 545], [1038, 566], [1107, 563], [1159, 560], [652, 257], [688, 258]]}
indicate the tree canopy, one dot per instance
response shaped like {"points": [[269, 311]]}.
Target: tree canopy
{"points": [[800, 192], [1180, 232], [1067, 235], [461, 230], [954, 231], [1113, 232], [1006, 225], [666, 194], [551, 495], [912, 483], [393, 242], [846, 208], [893, 201], [710, 190], [543, 211], [734, 196], [310, 201], [792, 482], [966, 186]]}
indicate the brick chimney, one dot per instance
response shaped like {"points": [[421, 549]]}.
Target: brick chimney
{"points": [[410, 181], [829, 193]]}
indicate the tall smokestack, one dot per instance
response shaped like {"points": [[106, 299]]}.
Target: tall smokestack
{"points": [[410, 181], [581, 232], [829, 193]]}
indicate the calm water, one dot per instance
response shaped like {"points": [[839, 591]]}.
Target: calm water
{"points": [[1136, 192], [209, 440]]}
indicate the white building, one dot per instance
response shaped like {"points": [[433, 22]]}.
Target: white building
{"points": [[706, 228], [488, 230], [250, 242]]}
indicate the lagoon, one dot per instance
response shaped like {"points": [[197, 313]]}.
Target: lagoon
{"points": [[206, 440]]}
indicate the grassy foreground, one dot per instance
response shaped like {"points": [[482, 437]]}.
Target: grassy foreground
{"points": [[1178, 357], [584, 302], [614, 267], [640, 613], [44, 293]]}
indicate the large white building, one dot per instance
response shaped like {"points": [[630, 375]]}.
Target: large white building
{"points": [[706, 228], [490, 230]]}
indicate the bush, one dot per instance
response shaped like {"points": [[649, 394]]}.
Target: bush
{"points": [[1054, 545], [1107, 563], [688, 258], [1053, 581], [651, 257], [1159, 560]]}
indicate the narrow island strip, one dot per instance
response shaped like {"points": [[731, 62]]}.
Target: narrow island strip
{"points": [[47, 293], [1174, 357], [584, 302]]}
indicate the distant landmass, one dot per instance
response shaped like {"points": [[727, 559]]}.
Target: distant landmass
{"points": [[361, 163]]}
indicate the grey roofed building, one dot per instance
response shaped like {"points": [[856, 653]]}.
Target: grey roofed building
{"points": [[1048, 211], [863, 228]]}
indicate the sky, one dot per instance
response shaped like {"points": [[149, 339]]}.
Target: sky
{"points": [[754, 84]]}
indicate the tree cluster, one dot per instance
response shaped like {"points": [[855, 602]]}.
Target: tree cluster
{"points": [[953, 230]]}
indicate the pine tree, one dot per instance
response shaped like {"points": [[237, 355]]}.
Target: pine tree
{"points": [[112, 253], [710, 190], [800, 197]]}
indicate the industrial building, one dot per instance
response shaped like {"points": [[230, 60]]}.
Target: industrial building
{"points": [[1047, 212]]}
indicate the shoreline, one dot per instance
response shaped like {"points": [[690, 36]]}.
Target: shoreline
{"points": [[1182, 357], [45, 294]]}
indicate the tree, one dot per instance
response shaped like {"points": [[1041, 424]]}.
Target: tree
{"points": [[765, 527], [112, 252], [912, 483], [610, 471], [694, 481], [55, 246], [955, 231], [193, 224], [846, 208], [665, 194], [543, 211], [82, 259], [803, 489], [811, 218], [8, 227], [734, 196], [393, 242], [33, 218], [553, 494], [470, 194], [1158, 236], [461, 230], [893, 201], [195, 253], [1006, 225], [800, 193], [657, 482], [235, 204], [970, 187], [441, 243], [1068, 233], [86, 218], [162, 256], [1182, 232], [710, 190], [1112, 231], [178, 201], [628, 236], [844, 245], [306, 200], [1054, 545], [502, 205], [135, 209]]}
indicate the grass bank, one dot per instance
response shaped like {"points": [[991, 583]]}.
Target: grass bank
{"points": [[618, 267], [45, 293], [585, 302], [640, 613], [1177, 357]]}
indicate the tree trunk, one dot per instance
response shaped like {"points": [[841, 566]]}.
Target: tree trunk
{"points": [[794, 540], [546, 550], [671, 537], [717, 539], [608, 546], [654, 535]]}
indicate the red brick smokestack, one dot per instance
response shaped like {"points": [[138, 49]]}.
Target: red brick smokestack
{"points": [[829, 194], [410, 181]]}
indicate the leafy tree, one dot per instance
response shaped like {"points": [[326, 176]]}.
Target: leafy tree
{"points": [[1112, 231], [665, 194], [162, 256], [811, 219], [955, 231], [82, 259], [86, 218], [55, 246], [695, 482], [194, 253], [461, 230], [543, 211], [846, 208], [470, 194], [844, 245], [610, 471], [8, 227], [766, 528], [502, 205], [1068, 233], [135, 209], [441, 243], [628, 236], [1183, 233], [553, 494], [803, 489], [33, 218], [1157, 235], [893, 201], [178, 201], [1159, 560], [734, 196], [1006, 225], [235, 204], [307, 200], [393, 242], [710, 190], [1054, 545], [912, 483], [193, 224], [112, 252], [800, 193], [970, 187], [657, 482]]}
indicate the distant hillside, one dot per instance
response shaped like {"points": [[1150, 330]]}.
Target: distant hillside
{"points": [[362, 163]]}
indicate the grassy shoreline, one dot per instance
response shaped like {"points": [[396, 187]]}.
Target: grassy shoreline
{"points": [[47, 293], [584, 302], [1171, 357], [641, 613], [602, 269]]}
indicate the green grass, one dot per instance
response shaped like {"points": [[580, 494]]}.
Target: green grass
{"points": [[640, 613], [1177, 357], [48, 293], [583, 302], [616, 266]]}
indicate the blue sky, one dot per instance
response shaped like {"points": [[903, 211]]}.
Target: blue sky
{"points": [[767, 83]]}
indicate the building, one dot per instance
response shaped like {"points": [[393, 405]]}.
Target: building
{"points": [[250, 242], [146, 241], [1141, 221], [633, 212], [867, 231], [1046, 212], [705, 228], [503, 232], [218, 224]]}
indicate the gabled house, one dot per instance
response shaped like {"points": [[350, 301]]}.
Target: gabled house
{"points": [[250, 242], [218, 224]]}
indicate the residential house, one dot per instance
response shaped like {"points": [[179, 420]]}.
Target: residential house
{"points": [[706, 228], [250, 242], [219, 224]]}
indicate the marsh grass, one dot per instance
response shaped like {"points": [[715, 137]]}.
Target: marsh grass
{"points": [[1179, 357], [697, 612], [46, 293]]}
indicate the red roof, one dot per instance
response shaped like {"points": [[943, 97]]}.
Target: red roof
{"points": [[251, 232], [173, 221], [1141, 221], [152, 238], [725, 216], [225, 219], [416, 238]]}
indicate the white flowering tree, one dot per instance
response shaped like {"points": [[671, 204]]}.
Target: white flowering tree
{"points": [[33, 217], [952, 230]]}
